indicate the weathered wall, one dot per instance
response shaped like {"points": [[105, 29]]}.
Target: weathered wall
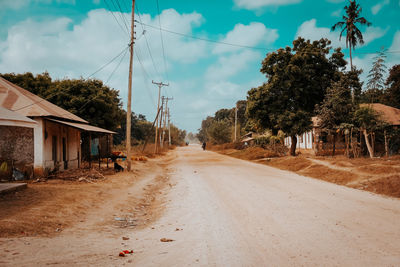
{"points": [[72, 139], [16, 144]]}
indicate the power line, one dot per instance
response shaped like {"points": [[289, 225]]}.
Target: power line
{"points": [[146, 75], [112, 13], [235, 45], [147, 42], [105, 65], [102, 67], [162, 40], [119, 63], [121, 15]]}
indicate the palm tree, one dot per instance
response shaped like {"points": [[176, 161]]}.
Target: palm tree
{"points": [[353, 34]]}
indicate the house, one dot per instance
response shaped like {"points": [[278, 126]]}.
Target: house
{"points": [[56, 133], [308, 139], [320, 141], [19, 129]]}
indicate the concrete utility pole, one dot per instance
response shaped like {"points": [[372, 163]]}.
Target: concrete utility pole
{"points": [[235, 121], [160, 84], [129, 104]]}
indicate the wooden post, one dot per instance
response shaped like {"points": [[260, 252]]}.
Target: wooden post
{"points": [[129, 104]]}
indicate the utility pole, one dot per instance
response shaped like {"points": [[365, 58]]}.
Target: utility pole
{"points": [[161, 121], [129, 104], [169, 127], [165, 118], [235, 121], [160, 84]]}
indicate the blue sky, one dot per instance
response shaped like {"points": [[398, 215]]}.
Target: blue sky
{"points": [[74, 38]]}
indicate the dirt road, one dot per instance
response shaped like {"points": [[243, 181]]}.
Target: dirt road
{"points": [[222, 211]]}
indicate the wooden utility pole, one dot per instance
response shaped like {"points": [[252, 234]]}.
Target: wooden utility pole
{"points": [[160, 84], [165, 117], [235, 121], [129, 104], [161, 121], [169, 127]]}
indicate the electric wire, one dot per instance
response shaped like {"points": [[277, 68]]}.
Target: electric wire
{"points": [[115, 69], [236, 45], [146, 76], [147, 42], [162, 40], [112, 13], [102, 67], [117, 6]]}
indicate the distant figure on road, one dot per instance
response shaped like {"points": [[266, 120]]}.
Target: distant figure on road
{"points": [[204, 145]]}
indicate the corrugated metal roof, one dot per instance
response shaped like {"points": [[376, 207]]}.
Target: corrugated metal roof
{"points": [[7, 115], [389, 114], [85, 127], [16, 99]]}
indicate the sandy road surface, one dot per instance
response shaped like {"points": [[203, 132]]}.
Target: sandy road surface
{"points": [[222, 211]]}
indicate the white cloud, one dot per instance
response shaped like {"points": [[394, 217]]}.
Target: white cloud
{"points": [[66, 49], [310, 30], [17, 4], [228, 66], [335, 1], [376, 8], [373, 33], [336, 13], [247, 35], [255, 4], [396, 42]]}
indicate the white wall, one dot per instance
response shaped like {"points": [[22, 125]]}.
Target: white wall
{"points": [[304, 141], [43, 144]]}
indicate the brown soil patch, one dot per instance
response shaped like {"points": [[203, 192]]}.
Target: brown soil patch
{"points": [[293, 164], [378, 175], [47, 208]]}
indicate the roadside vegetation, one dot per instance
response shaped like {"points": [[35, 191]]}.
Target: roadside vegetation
{"points": [[95, 102], [309, 87]]}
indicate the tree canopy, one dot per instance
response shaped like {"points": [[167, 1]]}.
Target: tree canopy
{"points": [[298, 78], [349, 25]]}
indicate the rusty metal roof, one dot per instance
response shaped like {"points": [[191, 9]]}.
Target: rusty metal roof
{"points": [[8, 117], [16, 99], [85, 127], [389, 114]]}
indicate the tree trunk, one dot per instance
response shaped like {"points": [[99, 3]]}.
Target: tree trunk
{"points": [[351, 59], [347, 143], [373, 141], [333, 144], [293, 146], [370, 151], [351, 68], [386, 144]]}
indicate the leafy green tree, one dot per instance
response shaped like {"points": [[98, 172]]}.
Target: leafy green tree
{"points": [[392, 93], [368, 121], [203, 134], [349, 26], [297, 80], [39, 85], [224, 114], [177, 135], [337, 108], [91, 100], [376, 81], [220, 131]]}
